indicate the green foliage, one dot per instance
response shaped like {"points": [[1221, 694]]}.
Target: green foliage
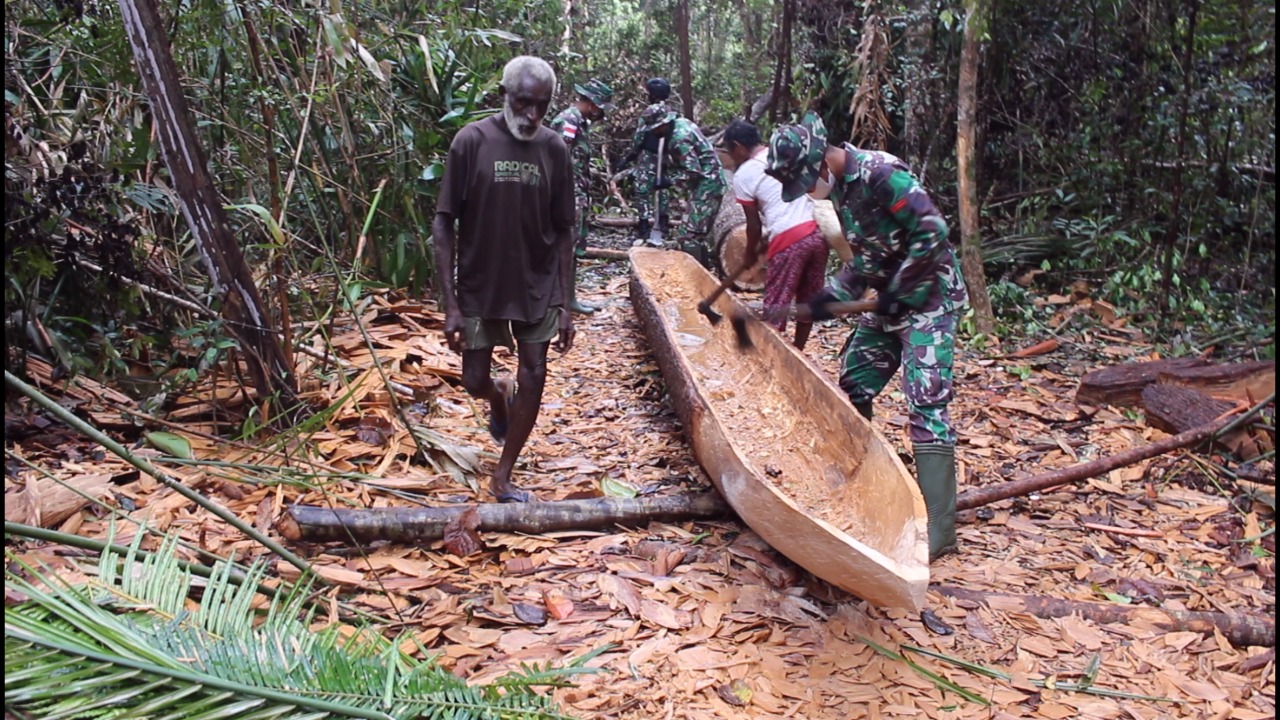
{"points": [[133, 644]]}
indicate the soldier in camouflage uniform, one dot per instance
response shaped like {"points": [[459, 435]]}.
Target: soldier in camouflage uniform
{"points": [[573, 124], [900, 246], [644, 149], [689, 159]]}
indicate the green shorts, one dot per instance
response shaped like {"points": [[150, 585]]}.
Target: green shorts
{"points": [[481, 334]]}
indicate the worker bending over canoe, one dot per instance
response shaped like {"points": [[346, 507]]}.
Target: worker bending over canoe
{"points": [[688, 158], [508, 185], [900, 249], [644, 149], [797, 251]]}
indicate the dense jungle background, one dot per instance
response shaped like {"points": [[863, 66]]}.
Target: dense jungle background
{"points": [[1128, 146]]}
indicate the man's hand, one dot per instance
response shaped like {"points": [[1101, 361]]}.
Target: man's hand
{"points": [[818, 306], [564, 342], [453, 328]]}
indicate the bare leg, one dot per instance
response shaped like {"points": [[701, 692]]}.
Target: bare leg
{"points": [[479, 383], [530, 380], [802, 334]]}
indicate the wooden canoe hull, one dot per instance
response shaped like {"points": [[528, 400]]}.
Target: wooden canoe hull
{"points": [[782, 443]]}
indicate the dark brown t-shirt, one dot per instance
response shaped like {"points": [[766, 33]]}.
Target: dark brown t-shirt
{"points": [[513, 201]]}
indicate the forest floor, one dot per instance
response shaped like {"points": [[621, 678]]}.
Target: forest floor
{"points": [[704, 620]]}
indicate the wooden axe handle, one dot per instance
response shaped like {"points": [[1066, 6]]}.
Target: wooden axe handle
{"points": [[724, 285], [801, 310]]}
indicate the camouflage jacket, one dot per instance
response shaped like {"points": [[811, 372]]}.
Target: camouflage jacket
{"points": [[691, 154], [898, 237], [575, 130]]}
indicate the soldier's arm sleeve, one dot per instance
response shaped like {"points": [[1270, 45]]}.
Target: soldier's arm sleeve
{"points": [[926, 237], [850, 281]]}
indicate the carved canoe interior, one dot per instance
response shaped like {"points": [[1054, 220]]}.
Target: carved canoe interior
{"points": [[781, 441]]}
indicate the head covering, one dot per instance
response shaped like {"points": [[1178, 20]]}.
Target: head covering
{"points": [[795, 155], [658, 88], [655, 116], [597, 92]]}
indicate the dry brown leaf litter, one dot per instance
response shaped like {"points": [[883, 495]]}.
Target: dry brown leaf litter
{"points": [[724, 628]]}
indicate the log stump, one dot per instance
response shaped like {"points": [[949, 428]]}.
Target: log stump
{"points": [[1122, 384]]}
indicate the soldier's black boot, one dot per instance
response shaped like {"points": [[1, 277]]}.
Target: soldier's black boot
{"points": [[643, 228]]}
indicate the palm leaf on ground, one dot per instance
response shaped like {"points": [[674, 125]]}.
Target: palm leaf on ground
{"points": [[135, 644]]}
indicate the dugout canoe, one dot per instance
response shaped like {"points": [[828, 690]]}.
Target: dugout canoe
{"points": [[781, 442]]}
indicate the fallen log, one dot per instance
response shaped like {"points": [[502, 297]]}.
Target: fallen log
{"points": [[615, 222], [1241, 629], [994, 493], [308, 523], [1123, 384], [604, 254], [1243, 382]]}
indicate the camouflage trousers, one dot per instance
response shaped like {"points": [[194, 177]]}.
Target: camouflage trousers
{"points": [[923, 344], [581, 216], [645, 176], [704, 203]]}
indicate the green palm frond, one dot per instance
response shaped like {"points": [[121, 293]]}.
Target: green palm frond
{"points": [[135, 643]]}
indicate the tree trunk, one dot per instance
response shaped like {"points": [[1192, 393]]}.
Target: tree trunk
{"points": [[917, 89], [781, 88], [232, 279], [686, 63], [967, 161], [1175, 213], [323, 524], [1241, 629]]}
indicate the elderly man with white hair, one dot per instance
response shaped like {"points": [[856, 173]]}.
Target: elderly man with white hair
{"points": [[505, 272]]}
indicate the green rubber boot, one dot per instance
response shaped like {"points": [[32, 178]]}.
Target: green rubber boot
{"points": [[575, 305], [936, 475]]}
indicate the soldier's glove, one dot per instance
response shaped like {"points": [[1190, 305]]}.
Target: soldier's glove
{"points": [[664, 184], [818, 306]]}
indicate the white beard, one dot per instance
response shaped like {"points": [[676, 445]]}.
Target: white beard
{"points": [[520, 127]]}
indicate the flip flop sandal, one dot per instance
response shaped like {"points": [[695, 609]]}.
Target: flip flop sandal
{"points": [[499, 430]]}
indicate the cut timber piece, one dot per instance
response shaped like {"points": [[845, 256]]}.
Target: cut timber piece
{"points": [[1122, 384], [1244, 382], [1176, 409], [782, 443]]}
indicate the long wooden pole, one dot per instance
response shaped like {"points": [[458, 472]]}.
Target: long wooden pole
{"points": [[1241, 629], [1016, 488], [322, 524]]}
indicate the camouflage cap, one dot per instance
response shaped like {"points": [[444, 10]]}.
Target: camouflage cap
{"points": [[655, 116], [795, 155], [597, 92]]}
